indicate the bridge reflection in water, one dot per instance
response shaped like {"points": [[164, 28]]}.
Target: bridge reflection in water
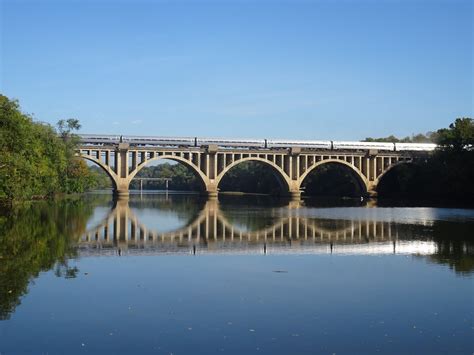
{"points": [[210, 231]]}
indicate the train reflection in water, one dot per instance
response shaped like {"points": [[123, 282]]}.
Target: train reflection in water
{"points": [[288, 231]]}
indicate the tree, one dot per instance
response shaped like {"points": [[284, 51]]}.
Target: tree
{"points": [[429, 137], [447, 174], [34, 160], [65, 127], [459, 136]]}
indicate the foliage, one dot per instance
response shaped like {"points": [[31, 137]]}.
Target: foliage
{"points": [[251, 177], [429, 137], [182, 178], [34, 160], [459, 136], [447, 174], [66, 127], [332, 180], [98, 178]]}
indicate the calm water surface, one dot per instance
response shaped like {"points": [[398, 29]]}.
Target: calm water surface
{"points": [[161, 274]]}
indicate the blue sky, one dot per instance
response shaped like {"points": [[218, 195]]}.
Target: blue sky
{"points": [[294, 69]]}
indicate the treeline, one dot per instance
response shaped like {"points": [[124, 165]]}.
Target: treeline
{"points": [[448, 174], [251, 177], [182, 178], [430, 137], [36, 161]]}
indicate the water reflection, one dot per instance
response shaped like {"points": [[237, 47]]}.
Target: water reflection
{"points": [[37, 238], [45, 235], [214, 226]]}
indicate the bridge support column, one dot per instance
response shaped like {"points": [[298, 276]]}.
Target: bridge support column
{"points": [[121, 194], [294, 195], [121, 168], [294, 192], [371, 189], [211, 190]]}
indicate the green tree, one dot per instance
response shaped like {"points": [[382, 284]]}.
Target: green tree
{"points": [[415, 138], [459, 136], [66, 127], [447, 174], [34, 160]]}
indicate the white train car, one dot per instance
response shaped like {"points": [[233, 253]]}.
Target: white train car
{"points": [[232, 143], [339, 145], [427, 147], [273, 143], [160, 141], [99, 139]]}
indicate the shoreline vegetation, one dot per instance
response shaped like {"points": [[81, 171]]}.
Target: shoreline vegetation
{"points": [[37, 161]]}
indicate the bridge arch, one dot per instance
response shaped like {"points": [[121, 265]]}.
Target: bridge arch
{"points": [[390, 168], [360, 178], [197, 172], [110, 173], [282, 178], [388, 183]]}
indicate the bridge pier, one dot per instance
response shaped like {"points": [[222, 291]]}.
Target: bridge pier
{"points": [[121, 194], [211, 190], [371, 189], [293, 195]]}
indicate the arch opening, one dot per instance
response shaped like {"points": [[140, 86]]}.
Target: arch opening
{"points": [[167, 173], [103, 178], [333, 179], [402, 180], [253, 176]]}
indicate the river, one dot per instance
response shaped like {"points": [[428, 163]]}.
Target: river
{"points": [[179, 274]]}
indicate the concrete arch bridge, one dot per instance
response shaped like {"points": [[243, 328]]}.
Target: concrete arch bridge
{"points": [[122, 162]]}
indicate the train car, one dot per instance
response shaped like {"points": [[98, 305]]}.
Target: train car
{"points": [[160, 141], [276, 144], [428, 147], [98, 139], [232, 143], [340, 145]]}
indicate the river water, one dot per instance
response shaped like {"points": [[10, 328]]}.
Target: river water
{"points": [[178, 274]]}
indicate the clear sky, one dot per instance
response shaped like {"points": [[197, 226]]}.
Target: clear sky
{"points": [[295, 69]]}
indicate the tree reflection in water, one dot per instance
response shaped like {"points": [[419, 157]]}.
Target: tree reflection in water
{"points": [[37, 238], [455, 246]]}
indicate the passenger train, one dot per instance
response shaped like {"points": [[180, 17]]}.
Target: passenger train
{"points": [[96, 139]]}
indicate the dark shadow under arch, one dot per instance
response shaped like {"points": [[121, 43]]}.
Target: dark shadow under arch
{"points": [[400, 180], [333, 179], [253, 176]]}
